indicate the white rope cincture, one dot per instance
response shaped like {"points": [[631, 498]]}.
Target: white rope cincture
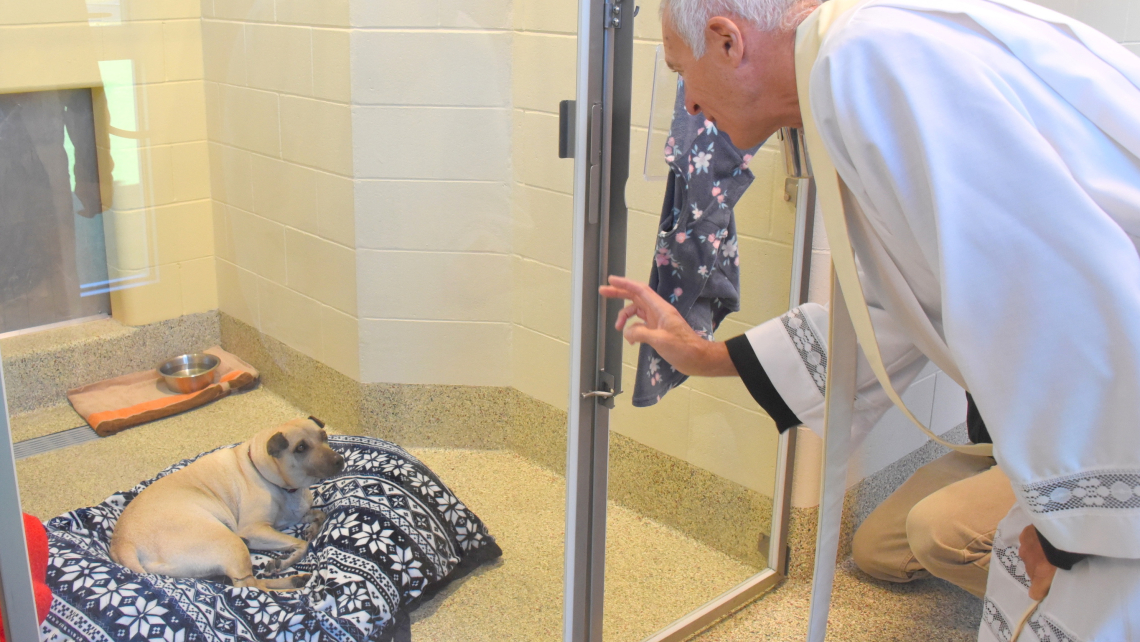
{"points": [[1024, 620]]}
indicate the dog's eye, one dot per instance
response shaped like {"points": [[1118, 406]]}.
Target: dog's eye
{"points": [[301, 447]]}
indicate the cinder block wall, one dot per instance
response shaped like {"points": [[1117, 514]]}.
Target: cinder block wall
{"points": [[544, 72], [278, 98], [432, 156]]}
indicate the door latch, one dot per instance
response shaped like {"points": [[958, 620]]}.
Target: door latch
{"points": [[605, 393]]}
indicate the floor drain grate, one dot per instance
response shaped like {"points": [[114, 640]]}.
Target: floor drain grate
{"points": [[54, 441]]}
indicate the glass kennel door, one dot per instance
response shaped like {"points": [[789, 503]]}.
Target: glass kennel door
{"points": [[363, 201], [696, 476]]}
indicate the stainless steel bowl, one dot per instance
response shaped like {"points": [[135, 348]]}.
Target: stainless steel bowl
{"points": [[189, 372]]}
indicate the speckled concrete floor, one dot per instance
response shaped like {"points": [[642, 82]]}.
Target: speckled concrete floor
{"points": [[863, 609], [654, 574]]}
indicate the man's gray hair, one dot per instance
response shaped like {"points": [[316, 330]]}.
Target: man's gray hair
{"points": [[690, 17]]}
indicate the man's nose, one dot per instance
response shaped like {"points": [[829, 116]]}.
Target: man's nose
{"points": [[691, 105]]}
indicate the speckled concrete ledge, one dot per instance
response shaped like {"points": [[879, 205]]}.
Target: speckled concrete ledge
{"points": [[411, 415], [477, 417], [40, 368], [44, 421], [307, 383], [708, 508], [871, 492]]}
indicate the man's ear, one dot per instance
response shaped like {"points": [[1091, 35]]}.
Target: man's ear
{"points": [[320, 424], [725, 36], [277, 444]]}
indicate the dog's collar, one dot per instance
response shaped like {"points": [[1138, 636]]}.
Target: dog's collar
{"points": [[249, 453]]}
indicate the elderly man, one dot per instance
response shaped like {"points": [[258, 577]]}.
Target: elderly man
{"points": [[989, 157]]}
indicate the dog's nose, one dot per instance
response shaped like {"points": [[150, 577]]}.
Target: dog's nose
{"points": [[339, 461]]}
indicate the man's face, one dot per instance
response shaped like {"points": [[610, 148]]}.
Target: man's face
{"points": [[737, 82], [704, 81]]}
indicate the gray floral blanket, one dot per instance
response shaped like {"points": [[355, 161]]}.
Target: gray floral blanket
{"points": [[696, 266]]}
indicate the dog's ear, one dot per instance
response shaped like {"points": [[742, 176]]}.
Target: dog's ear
{"points": [[320, 424], [277, 444]]}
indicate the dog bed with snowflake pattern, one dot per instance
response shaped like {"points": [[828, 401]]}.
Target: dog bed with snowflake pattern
{"points": [[395, 534]]}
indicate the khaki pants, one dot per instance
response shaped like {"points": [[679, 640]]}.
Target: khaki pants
{"points": [[941, 522]]}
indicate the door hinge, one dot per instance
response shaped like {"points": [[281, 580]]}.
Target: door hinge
{"points": [[612, 14], [791, 190]]}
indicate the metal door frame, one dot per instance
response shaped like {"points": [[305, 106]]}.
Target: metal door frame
{"points": [[604, 47], [601, 121], [17, 597]]}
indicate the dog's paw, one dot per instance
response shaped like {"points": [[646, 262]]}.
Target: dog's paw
{"points": [[273, 565], [316, 519], [301, 579]]}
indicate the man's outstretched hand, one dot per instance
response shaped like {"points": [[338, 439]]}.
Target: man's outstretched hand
{"points": [[663, 328]]}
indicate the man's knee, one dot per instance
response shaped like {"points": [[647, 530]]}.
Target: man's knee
{"points": [[924, 531], [864, 550], [880, 550], [949, 546]]}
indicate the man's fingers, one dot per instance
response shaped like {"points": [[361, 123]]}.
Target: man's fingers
{"points": [[647, 297], [641, 333], [640, 293], [623, 288], [611, 292], [1037, 566], [626, 313], [630, 286], [1041, 582]]}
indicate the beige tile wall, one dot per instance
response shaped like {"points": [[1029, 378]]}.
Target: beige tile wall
{"points": [[159, 229], [543, 73], [277, 95], [432, 139]]}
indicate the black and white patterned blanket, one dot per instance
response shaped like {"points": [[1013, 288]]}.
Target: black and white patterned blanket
{"points": [[395, 534]]}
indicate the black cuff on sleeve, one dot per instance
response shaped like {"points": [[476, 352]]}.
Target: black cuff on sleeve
{"points": [[975, 427], [1063, 560], [758, 383]]}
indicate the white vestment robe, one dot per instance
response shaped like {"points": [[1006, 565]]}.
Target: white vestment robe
{"points": [[992, 169]]}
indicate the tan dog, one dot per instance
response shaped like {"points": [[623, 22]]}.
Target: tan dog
{"points": [[202, 520]]}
